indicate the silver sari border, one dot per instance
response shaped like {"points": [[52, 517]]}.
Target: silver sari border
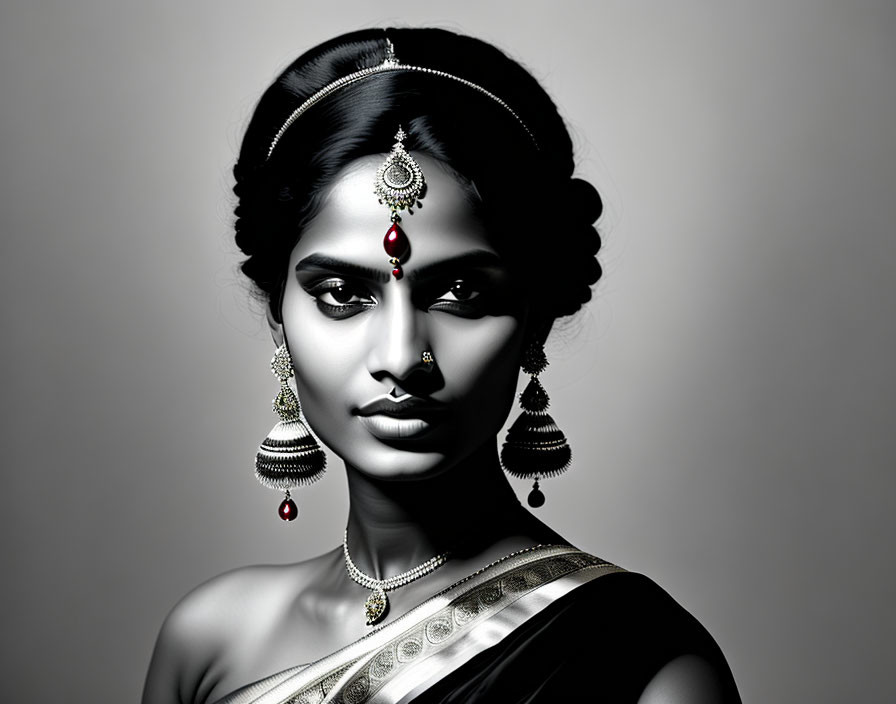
{"points": [[400, 659], [410, 684]]}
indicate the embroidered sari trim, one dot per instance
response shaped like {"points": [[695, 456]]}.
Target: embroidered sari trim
{"points": [[401, 659]]}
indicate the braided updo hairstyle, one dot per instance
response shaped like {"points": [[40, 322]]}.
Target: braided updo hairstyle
{"points": [[540, 217]]}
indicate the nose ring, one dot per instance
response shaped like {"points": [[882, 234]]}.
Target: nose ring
{"points": [[428, 359]]}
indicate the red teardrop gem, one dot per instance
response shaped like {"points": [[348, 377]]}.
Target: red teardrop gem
{"points": [[288, 510], [396, 272], [396, 242]]}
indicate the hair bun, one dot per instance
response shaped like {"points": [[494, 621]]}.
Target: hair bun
{"points": [[585, 197], [584, 208]]}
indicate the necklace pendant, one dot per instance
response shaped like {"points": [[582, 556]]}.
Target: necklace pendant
{"points": [[376, 606]]}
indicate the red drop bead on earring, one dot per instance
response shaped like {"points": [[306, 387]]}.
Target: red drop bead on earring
{"points": [[288, 510], [399, 183]]}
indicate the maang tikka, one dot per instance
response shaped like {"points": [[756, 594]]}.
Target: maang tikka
{"points": [[399, 184], [289, 455], [535, 446]]}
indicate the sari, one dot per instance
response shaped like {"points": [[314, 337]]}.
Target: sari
{"points": [[531, 627]]}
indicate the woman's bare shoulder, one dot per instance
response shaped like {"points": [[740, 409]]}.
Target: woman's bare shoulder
{"points": [[198, 637]]}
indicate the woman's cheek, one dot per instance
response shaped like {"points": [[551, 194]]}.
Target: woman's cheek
{"points": [[478, 345], [479, 360]]}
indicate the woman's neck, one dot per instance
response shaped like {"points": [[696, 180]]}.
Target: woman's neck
{"points": [[396, 525]]}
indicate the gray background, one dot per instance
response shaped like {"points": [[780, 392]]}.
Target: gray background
{"points": [[730, 397]]}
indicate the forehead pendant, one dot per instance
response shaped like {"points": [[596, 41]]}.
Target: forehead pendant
{"points": [[399, 184]]}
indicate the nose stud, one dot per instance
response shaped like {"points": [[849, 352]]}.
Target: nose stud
{"points": [[428, 360]]}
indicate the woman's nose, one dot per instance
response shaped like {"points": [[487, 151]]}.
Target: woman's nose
{"points": [[398, 340]]}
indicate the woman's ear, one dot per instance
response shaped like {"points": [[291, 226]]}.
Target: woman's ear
{"points": [[538, 328], [276, 327]]}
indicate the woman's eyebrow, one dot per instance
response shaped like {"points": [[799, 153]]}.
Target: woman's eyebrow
{"points": [[477, 259], [322, 263]]}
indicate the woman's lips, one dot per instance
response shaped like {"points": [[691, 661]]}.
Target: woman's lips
{"points": [[407, 417], [390, 428]]}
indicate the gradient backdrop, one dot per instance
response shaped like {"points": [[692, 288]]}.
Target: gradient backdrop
{"points": [[730, 398]]}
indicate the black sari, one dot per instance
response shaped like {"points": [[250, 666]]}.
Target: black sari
{"points": [[551, 624]]}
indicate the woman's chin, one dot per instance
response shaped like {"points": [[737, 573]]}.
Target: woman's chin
{"points": [[390, 463]]}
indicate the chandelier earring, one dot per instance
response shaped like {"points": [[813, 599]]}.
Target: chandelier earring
{"points": [[535, 447], [289, 455]]}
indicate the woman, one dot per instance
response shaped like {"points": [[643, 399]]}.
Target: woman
{"points": [[407, 206]]}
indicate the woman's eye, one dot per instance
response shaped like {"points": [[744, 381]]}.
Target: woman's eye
{"points": [[460, 291], [338, 299], [464, 298], [340, 295]]}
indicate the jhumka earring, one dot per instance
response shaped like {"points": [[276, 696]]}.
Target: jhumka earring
{"points": [[289, 455], [535, 446], [399, 184]]}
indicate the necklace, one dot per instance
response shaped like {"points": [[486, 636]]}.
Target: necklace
{"points": [[377, 603]]}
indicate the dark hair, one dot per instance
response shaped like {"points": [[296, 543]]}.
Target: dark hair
{"points": [[540, 217]]}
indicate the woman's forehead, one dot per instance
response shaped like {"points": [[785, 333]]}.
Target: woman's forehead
{"points": [[446, 189], [352, 223]]}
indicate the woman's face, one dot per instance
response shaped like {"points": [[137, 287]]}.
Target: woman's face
{"points": [[357, 334]]}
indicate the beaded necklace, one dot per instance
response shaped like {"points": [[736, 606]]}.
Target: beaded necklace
{"points": [[377, 603]]}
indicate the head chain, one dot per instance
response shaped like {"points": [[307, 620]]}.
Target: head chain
{"points": [[390, 63]]}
